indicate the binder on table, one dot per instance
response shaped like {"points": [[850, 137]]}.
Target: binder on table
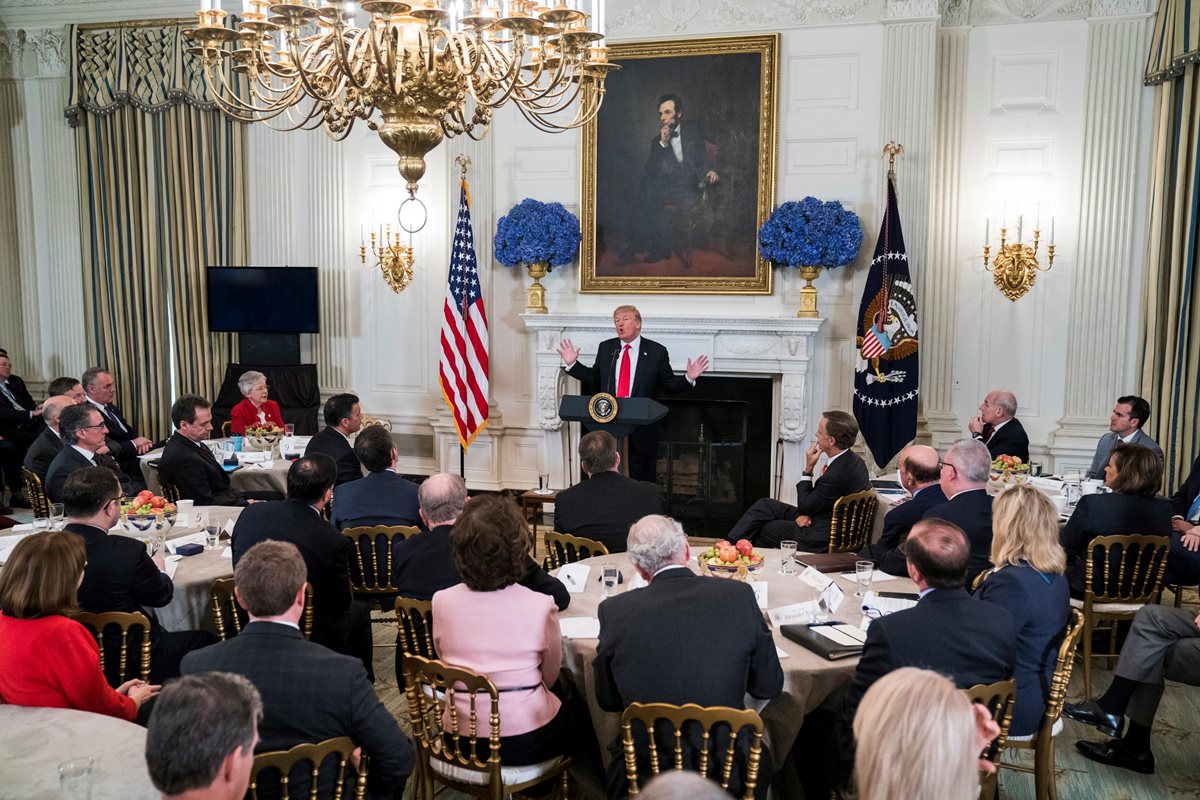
{"points": [[808, 635]]}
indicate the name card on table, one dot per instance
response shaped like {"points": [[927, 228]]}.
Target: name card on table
{"points": [[580, 627], [574, 577], [1047, 485], [815, 579], [796, 612], [833, 596], [760, 593], [172, 564]]}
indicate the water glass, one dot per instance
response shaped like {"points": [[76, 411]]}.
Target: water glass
{"points": [[289, 429], [41, 524], [57, 514], [212, 536], [544, 483], [75, 778], [608, 576], [864, 571], [787, 565]]}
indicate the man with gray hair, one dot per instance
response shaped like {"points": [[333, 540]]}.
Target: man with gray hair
{"points": [[83, 433], [49, 441], [201, 738], [997, 426], [651, 649], [964, 476]]}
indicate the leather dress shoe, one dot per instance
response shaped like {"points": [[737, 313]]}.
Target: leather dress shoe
{"points": [[1114, 754], [1089, 713], [19, 501]]}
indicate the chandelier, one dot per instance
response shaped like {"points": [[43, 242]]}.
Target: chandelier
{"points": [[416, 73]]}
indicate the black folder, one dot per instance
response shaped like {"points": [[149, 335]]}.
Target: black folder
{"points": [[803, 634]]}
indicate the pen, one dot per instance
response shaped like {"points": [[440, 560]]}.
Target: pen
{"points": [[570, 580]]}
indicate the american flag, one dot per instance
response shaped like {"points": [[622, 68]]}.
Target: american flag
{"points": [[463, 368]]}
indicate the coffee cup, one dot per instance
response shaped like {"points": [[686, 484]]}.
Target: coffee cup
{"points": [[185, 509]]}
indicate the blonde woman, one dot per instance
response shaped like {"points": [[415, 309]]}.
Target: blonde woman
{"points": [[919, 737], [1028, 580]]}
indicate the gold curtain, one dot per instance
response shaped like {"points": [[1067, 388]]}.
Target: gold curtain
{"points": [[1170, 342], [162, 193]]}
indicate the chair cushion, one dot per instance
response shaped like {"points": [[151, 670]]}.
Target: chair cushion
{"points": [[1055, 731], [510, 775], [1109, 608]]}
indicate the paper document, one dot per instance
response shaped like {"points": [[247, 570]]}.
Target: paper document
{"points": [[580, 627], [7, 543], [797, 612], [172, 564], [846, 635], [875, 605], [877, 576], [574, 577]]}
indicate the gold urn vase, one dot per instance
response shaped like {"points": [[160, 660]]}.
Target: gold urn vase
{"points": [[536, 300], [808, 292]]}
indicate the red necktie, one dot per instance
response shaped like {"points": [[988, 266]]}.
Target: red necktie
{"points": [[623, 375], [824, 469]]}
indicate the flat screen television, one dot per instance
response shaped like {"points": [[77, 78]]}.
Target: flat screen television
{"points": [[263, 300]]}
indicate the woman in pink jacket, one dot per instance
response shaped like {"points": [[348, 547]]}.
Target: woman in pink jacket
{"points": [[491, 624]]}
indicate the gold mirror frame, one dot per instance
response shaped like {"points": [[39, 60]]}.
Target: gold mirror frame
{"points": [[767, 48]]}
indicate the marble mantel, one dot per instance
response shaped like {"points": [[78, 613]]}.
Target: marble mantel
{"points": [[780, 348]]}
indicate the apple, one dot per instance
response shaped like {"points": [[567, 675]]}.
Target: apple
{"points": [[744, 547], [729, 555]]}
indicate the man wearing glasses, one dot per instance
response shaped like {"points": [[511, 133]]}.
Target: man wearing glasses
{"points": [[83, 431], [964, 476]]}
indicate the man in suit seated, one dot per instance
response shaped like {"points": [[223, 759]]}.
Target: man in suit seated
{"points": [[769, 522], [100, 389], [997, 426], [49, 442], [67, 387], [309, 693], [1163, 644], [340, 622], [1125, 425], [19, 424], [1183, 565], [382, 497], [83, 434], [343, 418], [964, 477], [119, 575], [919, 474], [189, 464], [643, 655], [213, 718], [607, 503]]}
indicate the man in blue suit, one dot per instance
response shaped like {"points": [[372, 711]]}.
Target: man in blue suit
{"points": [[382, 497], [919, 473]]}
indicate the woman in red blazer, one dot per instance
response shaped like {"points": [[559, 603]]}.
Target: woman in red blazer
{"points": [[255, 408], [46, 658]]}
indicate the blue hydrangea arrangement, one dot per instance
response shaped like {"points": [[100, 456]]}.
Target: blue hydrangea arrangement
{"points": [[534, 231], [810, 233]]}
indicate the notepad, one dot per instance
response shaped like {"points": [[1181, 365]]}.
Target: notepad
{"points": [[580, 627], [574, 577]]}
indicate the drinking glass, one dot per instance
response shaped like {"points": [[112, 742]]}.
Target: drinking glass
{"points": [[787, 565], [212, 535], [864, 571], [608, 576], [41, 524], [56, 516], [289, 429], [544, 483], [75, 778]]}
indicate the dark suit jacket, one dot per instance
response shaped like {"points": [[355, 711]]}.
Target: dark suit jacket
{"points": [[649, 651], [815, 498], [1183, 498], [1039, 605], [379, 498], [604, 506], [896, 525], [679, 180], [42, 452], [310, 694], [971, 511], [326, 553], [112, 416], [423, 565], [119, 575], [68, 461], [1107, 514], [10, 418], [331, 442], [652, 377], [1010, 440], [195, 472]]}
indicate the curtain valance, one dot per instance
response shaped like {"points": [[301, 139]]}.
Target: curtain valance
{"points": [[1176, 41]]}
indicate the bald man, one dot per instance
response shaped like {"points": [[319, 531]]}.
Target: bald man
{"points": [[997, 426], [919, 475], [46, 446]]}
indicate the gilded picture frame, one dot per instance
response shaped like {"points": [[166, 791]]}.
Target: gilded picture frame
{"points": [[672, 198]]}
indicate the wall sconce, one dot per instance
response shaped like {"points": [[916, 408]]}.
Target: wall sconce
{"points": [[394, 259], [1016, 266]]}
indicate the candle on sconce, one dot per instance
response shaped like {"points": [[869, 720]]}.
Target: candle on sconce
{"points": [[1004, 216], [1037, 225], [206, 5], [987, 231], [1051, 230]]}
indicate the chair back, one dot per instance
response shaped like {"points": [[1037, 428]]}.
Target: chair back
{"points": [[1126, 568], [119, 643], [306, 621], [998, 697], [853, 519], [414, 619], [228, 615], [563, 548], [371, 569], [272, 772], [692, 737], [1062, 670], [34, 492], [451, 708], [170, 492]]}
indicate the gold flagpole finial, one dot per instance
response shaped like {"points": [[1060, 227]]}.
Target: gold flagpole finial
{"points": [[463, 162], [892, 151]]}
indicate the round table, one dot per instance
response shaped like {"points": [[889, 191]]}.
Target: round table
{"points": [[270, 476], [190, 608], [808, 679], [34, 741]]}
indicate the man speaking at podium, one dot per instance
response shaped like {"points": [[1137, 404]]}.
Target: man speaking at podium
{"points": [[630, 366]]}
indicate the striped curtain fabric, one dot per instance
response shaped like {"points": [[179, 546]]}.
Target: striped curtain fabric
{"points": [[1170, 342], [162, 193]]}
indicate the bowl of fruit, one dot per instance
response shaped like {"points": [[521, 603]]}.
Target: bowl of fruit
{"points": [[1008, 471], [263, 438], [148, 513], [725, 560]]}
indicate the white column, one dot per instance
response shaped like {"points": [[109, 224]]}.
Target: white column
{"points": [[332, 251], [1097, 370], [910, 67], [938, 281]]}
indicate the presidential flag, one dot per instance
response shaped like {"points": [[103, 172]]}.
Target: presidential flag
{"points": [[463, 367], [887, 368]]}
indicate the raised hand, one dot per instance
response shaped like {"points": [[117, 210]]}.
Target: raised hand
{"points": [[569, 352], [811, 455], [696, 368]]}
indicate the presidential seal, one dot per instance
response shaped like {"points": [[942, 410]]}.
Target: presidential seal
{"points": [[602, 407]]}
